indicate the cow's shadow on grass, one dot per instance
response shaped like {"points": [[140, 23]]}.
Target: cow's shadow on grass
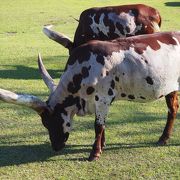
{"points": [[21, 154], [173, 4], [27, 72]]}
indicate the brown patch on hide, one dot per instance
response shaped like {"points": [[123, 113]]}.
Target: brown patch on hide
{"points": [[90, 90], [74, 86]]}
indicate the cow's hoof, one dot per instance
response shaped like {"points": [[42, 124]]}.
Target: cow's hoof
{"points": [[93, 158], [103, 146], [161, 143]]}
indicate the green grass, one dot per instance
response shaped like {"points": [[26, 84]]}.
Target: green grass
{"points": [[132, 128]]}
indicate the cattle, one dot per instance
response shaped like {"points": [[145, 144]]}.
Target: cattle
{"points": [[141, 68], [107, 23]]}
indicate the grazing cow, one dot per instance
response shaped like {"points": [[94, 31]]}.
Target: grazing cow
{"points": [[107, 23], [141, 68]]}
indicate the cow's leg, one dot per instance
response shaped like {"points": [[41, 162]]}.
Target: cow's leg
{"points": [[172, 104], [97, 148], [103, 140], [101, 115]]}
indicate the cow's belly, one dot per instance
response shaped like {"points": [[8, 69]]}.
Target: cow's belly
{"points": [[143, 92], [149, 77]]}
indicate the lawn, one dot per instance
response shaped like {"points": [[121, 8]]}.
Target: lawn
{"points": [[132, 128]]}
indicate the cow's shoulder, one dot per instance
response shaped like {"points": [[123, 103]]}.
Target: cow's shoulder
{"points": [[96, 47]]}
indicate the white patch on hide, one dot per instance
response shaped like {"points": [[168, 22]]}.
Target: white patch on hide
{"points": [[66, 120], [96, 28], [126, 20], [102, 108]]}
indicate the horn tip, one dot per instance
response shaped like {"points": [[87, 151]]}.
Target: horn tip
{"points": [[48, 26], [39, 57], [39, 60], [46, 29], [39, 54]]}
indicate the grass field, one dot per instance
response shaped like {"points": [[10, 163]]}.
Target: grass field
{"points": [[132, 128]]}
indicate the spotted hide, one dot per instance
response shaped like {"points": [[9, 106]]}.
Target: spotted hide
{"points": [[107, 23], [141, 68]]}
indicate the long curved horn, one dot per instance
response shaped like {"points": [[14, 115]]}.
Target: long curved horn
{"points": [[58, 37], [23, 99], [155, 26], [45, 75]]}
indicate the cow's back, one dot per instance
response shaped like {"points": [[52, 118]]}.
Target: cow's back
{"points": [[107, 23]]}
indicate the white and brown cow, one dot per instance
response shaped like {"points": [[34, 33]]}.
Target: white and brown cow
{"points": [[107, 23], [141, 68]]}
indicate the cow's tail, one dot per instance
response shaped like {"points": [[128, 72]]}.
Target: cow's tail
{"points": [[75, 18], [58, 37]]}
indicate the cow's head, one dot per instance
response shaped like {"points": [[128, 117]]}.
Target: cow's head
{"points": [[53, 122], [51, 116], [150, 18]]}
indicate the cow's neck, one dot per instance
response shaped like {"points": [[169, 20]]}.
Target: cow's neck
{"points": [[66, 101]]}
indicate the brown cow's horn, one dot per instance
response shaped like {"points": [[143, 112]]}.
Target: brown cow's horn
{"points": [[23, 100], [45, 75], [155, 26], [58, 37]]}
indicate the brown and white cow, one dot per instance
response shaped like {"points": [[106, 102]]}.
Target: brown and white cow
{"points": [[141, 68], [107, 23]]}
